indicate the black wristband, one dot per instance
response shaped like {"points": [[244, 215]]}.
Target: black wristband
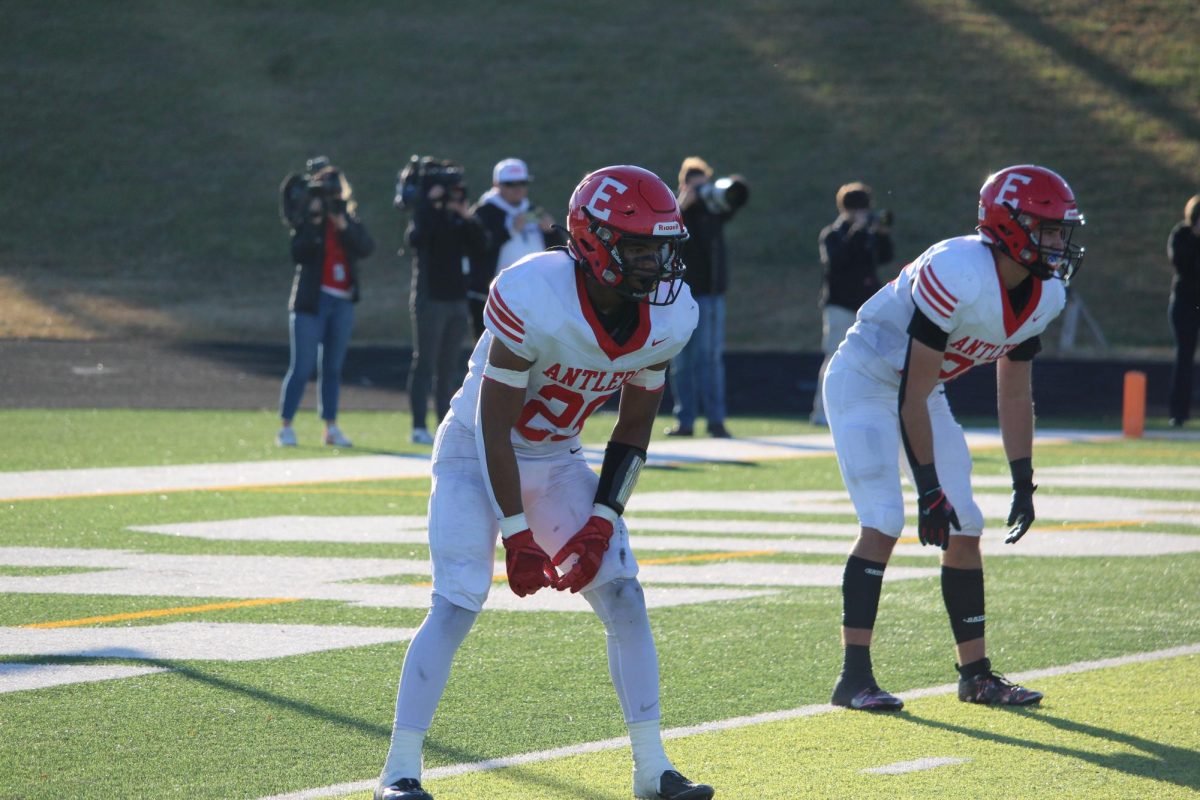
{"points": [[622, 465], [1022, 472], [926, 477]]}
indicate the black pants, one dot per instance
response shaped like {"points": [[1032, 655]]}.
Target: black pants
{"points": [[438, 330], [1185, 322]]}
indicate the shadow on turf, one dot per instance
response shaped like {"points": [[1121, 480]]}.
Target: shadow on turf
{"points": [[1161, 762], [451, 755]]}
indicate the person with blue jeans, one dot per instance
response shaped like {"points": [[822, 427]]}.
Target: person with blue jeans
{"points": [[698, 372], [326, 247]]}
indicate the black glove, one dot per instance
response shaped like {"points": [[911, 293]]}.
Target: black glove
{"points": [[1021, 516], [935, 516]]}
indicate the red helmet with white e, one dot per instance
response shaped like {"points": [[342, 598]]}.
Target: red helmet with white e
{"points": [[618, 211], [1022, 211]]}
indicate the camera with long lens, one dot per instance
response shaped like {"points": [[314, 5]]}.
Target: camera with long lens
{"points": [[320, 180], [421, 174], [723, 195]]}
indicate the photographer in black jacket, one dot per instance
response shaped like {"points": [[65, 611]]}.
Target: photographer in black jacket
{"points": [[443, 234], [327, 243], [852, 247], [1183, 248], [698, 372]]}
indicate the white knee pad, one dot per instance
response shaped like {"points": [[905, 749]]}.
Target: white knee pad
{"points": [[452, 622], [618, 602], [886, 516]]}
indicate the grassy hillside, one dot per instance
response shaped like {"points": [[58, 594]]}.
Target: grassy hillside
{"points": [[141, 150]]}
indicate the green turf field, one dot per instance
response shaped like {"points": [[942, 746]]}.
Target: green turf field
{"points": [[229, 714]]}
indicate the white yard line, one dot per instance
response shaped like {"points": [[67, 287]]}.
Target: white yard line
{"points": [[249, 474], [916, 765], [727, 724]]}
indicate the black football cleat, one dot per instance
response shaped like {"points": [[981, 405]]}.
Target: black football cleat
{"points": [[719, 431], [403, 789], [992, 688], [673, 786], [863, 695]]}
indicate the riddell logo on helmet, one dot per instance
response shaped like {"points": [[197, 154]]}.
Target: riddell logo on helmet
{"points": [[601, 195], [666, 227]]}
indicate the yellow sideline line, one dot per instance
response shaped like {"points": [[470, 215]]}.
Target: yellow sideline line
{"points": [[301, 490], [164, 612], [710, 556], [1094, 525]]}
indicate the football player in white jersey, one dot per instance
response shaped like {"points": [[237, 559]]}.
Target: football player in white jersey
{"points": [[566, 329], [964, 302]]}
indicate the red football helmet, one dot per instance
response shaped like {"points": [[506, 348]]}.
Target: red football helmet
{"points": [[625, 229], [1019, 206]]}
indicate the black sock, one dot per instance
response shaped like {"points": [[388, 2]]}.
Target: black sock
{"points": [[857, 660], [980, 667]]}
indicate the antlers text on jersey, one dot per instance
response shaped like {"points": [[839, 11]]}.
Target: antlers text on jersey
{"points": [[968, 351]]}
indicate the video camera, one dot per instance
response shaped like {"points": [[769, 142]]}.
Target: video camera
{"points": [[320, 179], [421, 174], [723, 195]]}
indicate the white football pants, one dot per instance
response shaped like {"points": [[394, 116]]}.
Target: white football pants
{"points": [[864, 418]]}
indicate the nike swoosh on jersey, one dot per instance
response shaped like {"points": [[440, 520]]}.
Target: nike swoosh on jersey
{"points": [[657, 342], [575, 450]]}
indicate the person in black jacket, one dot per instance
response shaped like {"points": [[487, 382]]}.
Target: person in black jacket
{"points": [[698, 372], [1183, 249], [326, 247], [515, 228], [852, 247], [443, 234]]}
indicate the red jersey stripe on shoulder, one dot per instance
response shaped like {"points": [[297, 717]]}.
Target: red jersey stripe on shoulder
{"points": [[933, 305], [504, 307], [932, 294], [503, 328], [506, 318], [929, 270]]}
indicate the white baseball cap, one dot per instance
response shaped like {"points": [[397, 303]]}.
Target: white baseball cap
{"points": [[511, 170]]}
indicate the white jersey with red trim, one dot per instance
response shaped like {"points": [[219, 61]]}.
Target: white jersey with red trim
{"points": [[539, 309], [956, 284]]}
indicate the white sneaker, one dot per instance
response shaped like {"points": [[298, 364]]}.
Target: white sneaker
{"points": [[421, 436], [286, 437], [335, 437]]}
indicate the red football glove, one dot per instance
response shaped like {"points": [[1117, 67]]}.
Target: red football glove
{"points": [[589, 544], [529, 567]]}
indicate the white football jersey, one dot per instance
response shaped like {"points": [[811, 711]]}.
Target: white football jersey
{"points": [[956, 284], [539, 309]]}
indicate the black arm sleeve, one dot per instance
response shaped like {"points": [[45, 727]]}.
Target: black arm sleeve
{"points": [[923, 329], [1026, 350]]}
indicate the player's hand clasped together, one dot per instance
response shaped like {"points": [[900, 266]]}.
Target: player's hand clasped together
{"points": [[528, 565]]}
